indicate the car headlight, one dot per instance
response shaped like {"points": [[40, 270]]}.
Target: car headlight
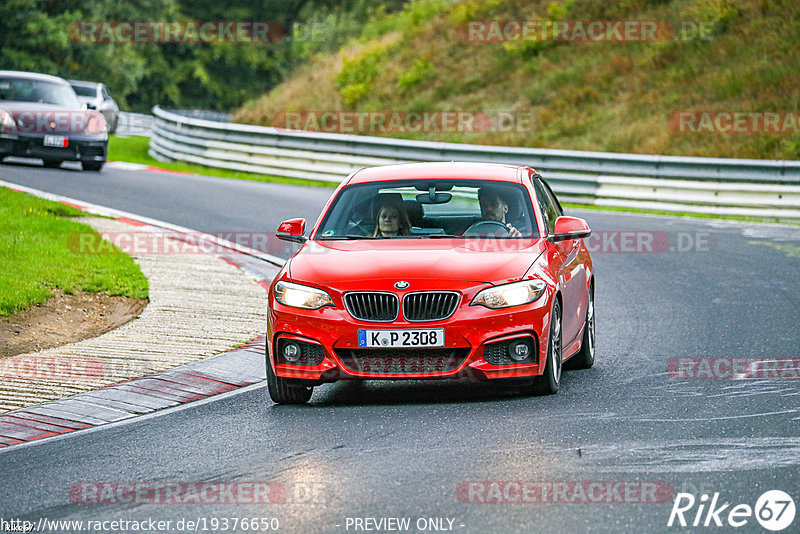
{"points": [[96, 123], [508, 295], [299, 296], [7, 123]]}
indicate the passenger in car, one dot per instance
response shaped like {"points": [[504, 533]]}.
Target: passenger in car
{"points": [[391, 220], [494, 208]]}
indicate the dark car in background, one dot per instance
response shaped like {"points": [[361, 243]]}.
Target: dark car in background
{"points": [[41, 117], [97, 96]]}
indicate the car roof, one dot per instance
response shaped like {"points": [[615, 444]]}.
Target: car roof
{"points": [[438, 171], [33, 76]]}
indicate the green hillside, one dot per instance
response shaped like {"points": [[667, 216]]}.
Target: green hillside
{"points": [[709, 55]]}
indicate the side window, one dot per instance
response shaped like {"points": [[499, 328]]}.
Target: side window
{"points": [[553, 200], [105, 94], [547, 205]]}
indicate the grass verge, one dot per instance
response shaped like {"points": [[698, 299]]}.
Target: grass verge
{"points": [[35, 256], [134, 150]]}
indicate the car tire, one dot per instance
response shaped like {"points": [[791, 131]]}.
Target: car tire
{"points": [[549, 381], [584, 359], [52, 163], [286, 391], [92, 165]]}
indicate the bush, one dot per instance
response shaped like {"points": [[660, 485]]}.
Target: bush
{"points": [[421, 70], [355, 79]]}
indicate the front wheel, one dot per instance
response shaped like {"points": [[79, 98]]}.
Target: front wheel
{"points": [[548, 382], [286, 391], [585, 357]]}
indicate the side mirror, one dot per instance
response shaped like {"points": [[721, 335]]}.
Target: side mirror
{"points": [[570, 228], [292, 230]]}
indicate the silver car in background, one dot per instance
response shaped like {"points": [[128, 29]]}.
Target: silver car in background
{"points": [[97, 96]]}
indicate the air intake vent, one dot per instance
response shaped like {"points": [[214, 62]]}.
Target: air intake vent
{"points": [[429, 305], [403, 361], [382, 307], [497, 353]]}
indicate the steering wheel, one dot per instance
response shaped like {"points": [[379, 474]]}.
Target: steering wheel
{"points": [[486, 228]]}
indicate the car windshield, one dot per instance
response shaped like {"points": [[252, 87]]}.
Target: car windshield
{"points": [[83, 90], [33, 90], [430, 209]]}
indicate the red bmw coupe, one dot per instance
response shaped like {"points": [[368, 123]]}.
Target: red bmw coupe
{"points": [[433, 271]]}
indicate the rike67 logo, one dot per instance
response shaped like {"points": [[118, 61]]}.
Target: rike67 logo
{"points": [[774, 510]]}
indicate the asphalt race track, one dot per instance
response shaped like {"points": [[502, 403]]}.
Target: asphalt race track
{"points": [[668, 290]]}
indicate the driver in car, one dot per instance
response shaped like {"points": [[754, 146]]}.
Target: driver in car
{"points": [[494, 208], [391, 220]]}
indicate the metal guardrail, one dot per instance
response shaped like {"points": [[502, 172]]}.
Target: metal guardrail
{"points": [[216, 116], [140, 124], [719, 186]]}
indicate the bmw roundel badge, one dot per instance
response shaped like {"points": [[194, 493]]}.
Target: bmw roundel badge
{"points": [[402, 284]]}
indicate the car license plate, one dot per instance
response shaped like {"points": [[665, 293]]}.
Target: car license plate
{"points": [[429, 337], [55, 140]]}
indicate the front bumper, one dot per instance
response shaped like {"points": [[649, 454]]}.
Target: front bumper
{"points": [[467, 333], [81, 147]]}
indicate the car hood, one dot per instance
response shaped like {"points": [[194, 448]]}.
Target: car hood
{"points": [[475, 260], [15, 107]]}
